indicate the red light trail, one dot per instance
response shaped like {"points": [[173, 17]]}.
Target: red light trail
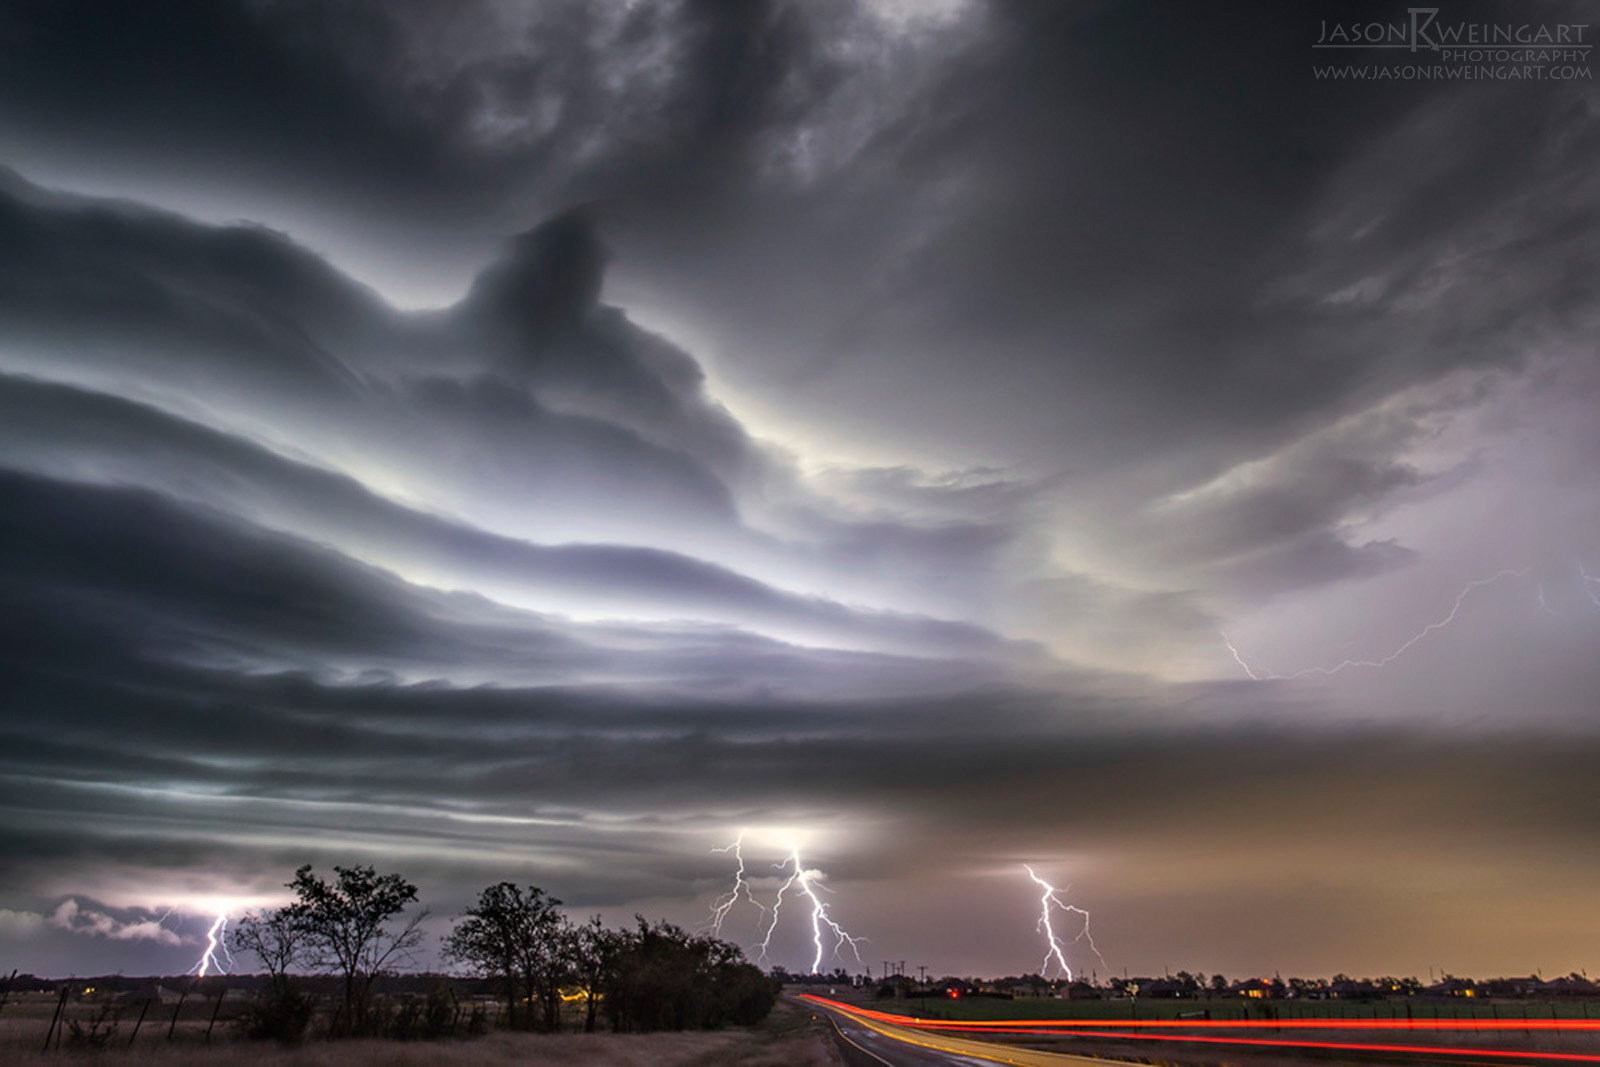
{"points": [[1137, 1030]]}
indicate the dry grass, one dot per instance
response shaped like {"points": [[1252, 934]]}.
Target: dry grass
{"points": [[787, 1039]]}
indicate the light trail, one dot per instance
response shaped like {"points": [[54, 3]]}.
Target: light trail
{"points": [[1449, 1023], [1344, 1046], [1054, 947], [1137, 1030]]}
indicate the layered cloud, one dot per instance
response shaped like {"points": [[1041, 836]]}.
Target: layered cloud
{"points": [[536, 444]]}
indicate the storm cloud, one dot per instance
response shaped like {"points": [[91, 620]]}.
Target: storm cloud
{"points": [[541, 442]]}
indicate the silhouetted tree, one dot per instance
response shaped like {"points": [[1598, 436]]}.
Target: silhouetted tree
{"points": [[518, 936], [273, 939], [280, 1012], [664, 979], [594, 955], [345, 927]]}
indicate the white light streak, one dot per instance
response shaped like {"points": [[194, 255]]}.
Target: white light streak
{"points": [[741, 887], [1450, 617], [1055, 948], [216, 941]]}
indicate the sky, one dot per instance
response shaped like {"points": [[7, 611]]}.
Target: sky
{"points": [[544, 442]]}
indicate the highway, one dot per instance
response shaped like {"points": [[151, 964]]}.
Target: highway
{"points": [[865, 1042]]}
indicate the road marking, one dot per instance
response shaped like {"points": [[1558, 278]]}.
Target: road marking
{"points": [[985, 1051], [840, 1031]]}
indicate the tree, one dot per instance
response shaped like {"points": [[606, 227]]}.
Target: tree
{"points": [[345, 928], [517, 936], [594, 954], [273, 939], [664, 979], [280, 1012]]}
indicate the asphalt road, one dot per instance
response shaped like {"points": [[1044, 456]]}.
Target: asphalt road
{"points": [[861, 1045]]}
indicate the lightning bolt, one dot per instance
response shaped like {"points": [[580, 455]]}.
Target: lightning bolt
{"points": [[215, 942], [807, 881], [1450, 617], [1589, 581], [724, 904], [1055, 948], [1254, 677]]}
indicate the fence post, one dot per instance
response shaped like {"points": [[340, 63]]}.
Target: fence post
{"points": [[214, 1012], [61, 1005], [181, 998], [135, 1035]]}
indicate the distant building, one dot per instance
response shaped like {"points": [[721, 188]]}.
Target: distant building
{"points": [[1349, 989], [1453, 987], [1570, 986], [1254, 989]]}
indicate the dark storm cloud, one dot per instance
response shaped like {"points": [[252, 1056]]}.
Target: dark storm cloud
{"points": [[516, 111], [1156, 245], [103, 438], [1104, 327]]}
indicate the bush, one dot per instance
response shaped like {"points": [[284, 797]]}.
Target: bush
{"points": [[278, 1015], [664, 979], [98, 1033]]}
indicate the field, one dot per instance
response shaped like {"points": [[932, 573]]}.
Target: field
{"points": [[788, 1038], [1221, 1008]]}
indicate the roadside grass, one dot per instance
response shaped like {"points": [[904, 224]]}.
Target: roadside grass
{"points": [[787, 1038]]}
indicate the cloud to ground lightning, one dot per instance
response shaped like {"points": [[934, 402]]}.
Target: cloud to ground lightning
{"points": [[1055, 954], [741, 888], [216, 942], [806, 882]]}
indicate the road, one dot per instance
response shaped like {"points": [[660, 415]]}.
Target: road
{"points": [[868, 1043]]}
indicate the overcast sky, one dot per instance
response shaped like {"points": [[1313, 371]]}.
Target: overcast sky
{"points": [[542, 441]]}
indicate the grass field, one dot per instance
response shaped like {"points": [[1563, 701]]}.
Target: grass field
{"points": [[788, 1038], [1123, 1010]]}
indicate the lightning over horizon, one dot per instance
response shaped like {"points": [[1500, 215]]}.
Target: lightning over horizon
{"points": [[804, 881], [724, 904], [1055, 948], [215, 941], [917, 436]]}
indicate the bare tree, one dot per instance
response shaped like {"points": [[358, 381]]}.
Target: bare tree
{"points": [[273, 939], [345, 927]]}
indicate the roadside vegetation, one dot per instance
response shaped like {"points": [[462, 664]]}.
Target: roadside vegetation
{"points": [[336, 964]]}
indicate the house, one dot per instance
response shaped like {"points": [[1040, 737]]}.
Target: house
{"points": [[1350, 989], [1255, 989], [1453, 987], [1571, 986]]}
